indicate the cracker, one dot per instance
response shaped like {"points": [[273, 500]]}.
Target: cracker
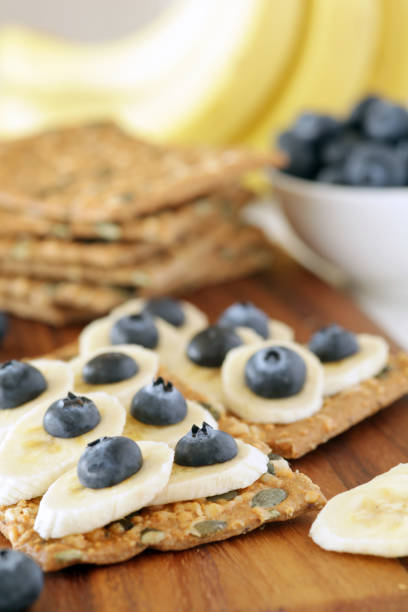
{"points": [[163, 228], [175, 526], [48, 313], [97, 172], [177, 268], [339, 413]]}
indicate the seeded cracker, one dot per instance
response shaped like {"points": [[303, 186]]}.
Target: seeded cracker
{"points": [[98, 173]]}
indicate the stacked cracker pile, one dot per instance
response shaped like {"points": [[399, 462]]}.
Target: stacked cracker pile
{"points": [[90, 215]]}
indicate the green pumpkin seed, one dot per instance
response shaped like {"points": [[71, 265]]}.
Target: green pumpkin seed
{"points": [[384, 372], [152, 536], [228, 496], [274, 457], [268, 498], [271, 468], [274, 514], [108, 231], [208, 528], [65, 556]]}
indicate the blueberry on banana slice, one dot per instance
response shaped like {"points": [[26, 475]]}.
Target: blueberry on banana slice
{"points": [[245, 314], [333, 343], [210, 346], [168, 309], [159, 403], [71, 416], [275, 372], [109, 461], [21, 580], [109, 368], [135, 329], [19, 383], [205, 446]]}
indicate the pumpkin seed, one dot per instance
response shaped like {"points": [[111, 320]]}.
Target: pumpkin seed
{"points": [[65, 556], [274, 514], [274, 457], [271, 468], [268, 498], [384, 372], [152, 536], [207, 528], [108, 231], [227, 496]]}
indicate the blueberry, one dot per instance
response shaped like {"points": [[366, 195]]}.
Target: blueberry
{"points": [[135, 329], [333, 343], [71, 416], [386, 121], [245, 314], [315, 127], [159, 403], [210, 346], [168, 309], [19, 383], [331, 174], [336, 150], [205, 446], [109, 368], [358, 112], [4, 324], [109, 461], [302, 155], [275, 372], [374, 165], [402, 153], [21, 580]]}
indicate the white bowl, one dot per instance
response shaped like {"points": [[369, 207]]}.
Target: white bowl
{"points": [[364, 231]]}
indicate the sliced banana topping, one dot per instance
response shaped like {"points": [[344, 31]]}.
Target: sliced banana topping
{"points": [[59, 377], [367, 362], [279, 330], [194, 318], [146, 361], [69, 508], [369, 519], [31, 459], [241, 400], [170, 434], [194, 482]]}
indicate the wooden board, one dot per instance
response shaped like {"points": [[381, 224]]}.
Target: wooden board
{"points": [[279, 567]]}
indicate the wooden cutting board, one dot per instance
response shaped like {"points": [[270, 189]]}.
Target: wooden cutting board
{"points": [[279, 567]]}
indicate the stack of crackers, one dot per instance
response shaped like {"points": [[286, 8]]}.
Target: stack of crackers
{"points": [[90, 215]]}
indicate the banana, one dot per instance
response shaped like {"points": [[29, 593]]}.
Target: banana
{"points": [[345, 29], [239, 398], [207, 380], [194, 482], [31, 459], [369, 361], [60, 379], [195, 319], [170, 434], [69, 508], [147, 361], [96, 335], [369, 519]]}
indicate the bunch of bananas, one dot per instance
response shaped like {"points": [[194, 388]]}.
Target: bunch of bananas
{"points": [[215, 71]]}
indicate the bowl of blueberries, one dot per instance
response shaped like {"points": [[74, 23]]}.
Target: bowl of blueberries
{"points": [[345, 191]]}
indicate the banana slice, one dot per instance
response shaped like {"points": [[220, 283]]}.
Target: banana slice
{"points": [[370, 519], [207, 380], [170, 434], [60, 379], [69, 508], [279, 330], [369, 361], [240, 400], [147, 361], [195, 319], [31, 459], [194, 482]]}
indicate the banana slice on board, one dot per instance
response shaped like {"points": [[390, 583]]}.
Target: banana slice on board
{"points": [[69, 508], [367, 362], [241, 400], [60, 379], [147, 363], [170, 434], [369, 519], [31, 459], [194, 482]]}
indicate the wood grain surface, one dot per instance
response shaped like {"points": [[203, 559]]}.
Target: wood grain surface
{"points": [[279, 567]]}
